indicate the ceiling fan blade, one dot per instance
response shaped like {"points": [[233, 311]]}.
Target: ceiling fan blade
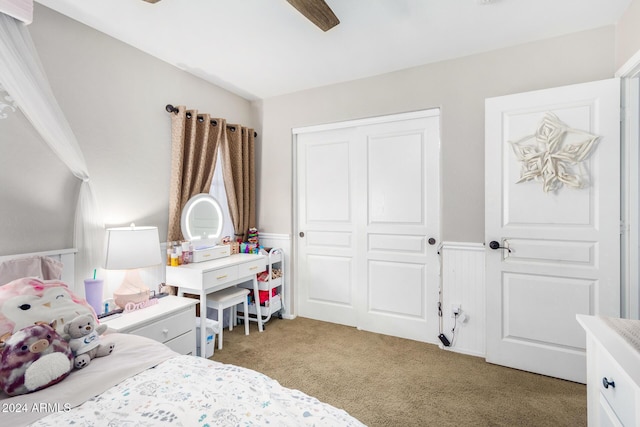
{"points": [[316, 11]]}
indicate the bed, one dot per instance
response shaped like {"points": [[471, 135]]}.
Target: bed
{"points": [[144, 383]]}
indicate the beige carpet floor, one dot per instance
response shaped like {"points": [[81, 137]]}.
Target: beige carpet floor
{"points": [[388, 381]]}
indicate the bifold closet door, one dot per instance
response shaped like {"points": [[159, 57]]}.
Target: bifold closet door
{"points": [[367, 205]]}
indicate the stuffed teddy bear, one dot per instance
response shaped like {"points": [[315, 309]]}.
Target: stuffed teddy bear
{"points": [[33, 358], [84, 339]]}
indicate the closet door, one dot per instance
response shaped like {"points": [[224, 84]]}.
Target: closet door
{"points": [[326, 243], [367, 208]]}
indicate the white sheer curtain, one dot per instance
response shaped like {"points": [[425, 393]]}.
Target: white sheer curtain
{"points": [[23, 78], [218, 191]]}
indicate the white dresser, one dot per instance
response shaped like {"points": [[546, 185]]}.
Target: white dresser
{"points": [[203, 278], [613, 371], [172, 321]]}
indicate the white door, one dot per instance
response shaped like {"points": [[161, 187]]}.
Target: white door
{"points": [[563, 255], [367, 205], [399, 268], [326, 241]]}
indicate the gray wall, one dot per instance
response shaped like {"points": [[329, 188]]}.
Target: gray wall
{"points": [[628, 34], [114, 97], [459, 87]]}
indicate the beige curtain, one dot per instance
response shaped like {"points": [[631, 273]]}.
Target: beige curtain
{"points": [[238, 158], [195, 139]]}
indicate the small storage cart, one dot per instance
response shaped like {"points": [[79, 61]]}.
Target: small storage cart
{"points": [[271, 288]]}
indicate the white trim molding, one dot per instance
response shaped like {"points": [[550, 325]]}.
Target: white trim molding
{"points": [[432, 112], [629, 74]]}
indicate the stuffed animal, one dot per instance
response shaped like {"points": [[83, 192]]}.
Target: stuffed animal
{"points": [[33, 358], [27, 301], [84, 339]]}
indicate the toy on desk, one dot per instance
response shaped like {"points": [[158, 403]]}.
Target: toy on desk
{"points": [[252, 236], [84, 339]]}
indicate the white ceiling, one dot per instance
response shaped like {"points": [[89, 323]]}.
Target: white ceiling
{"points": [[264, 48]]}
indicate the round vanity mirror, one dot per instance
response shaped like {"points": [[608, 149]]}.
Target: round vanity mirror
{"points": [[202, 219]]}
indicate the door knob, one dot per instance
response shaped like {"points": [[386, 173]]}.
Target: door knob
{"points": [[495, 245], [301, 234], [606, 383], [431, 241]]}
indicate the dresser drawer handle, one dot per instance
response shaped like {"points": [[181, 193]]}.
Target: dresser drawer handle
{"points": [[255, 267], [606, 383], [165, 331], [221, 277]]}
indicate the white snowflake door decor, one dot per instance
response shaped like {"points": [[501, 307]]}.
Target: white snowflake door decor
{"points": [[554, 154]]}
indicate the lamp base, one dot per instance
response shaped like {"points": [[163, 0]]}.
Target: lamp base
{"points": [[131, 290]]}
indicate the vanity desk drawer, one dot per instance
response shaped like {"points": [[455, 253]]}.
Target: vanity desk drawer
{"points": [[220, 276], [253, 267]]}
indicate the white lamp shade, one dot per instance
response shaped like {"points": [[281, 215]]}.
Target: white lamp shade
{"points": [[131, 247]]}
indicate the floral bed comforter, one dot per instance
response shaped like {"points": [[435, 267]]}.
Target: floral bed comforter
{"points": [[191, 391]]}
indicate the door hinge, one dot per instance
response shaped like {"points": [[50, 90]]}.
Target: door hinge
{"points": [[623, 227]]}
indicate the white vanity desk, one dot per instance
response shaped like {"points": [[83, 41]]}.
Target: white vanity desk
{"points": [[209, 276]]}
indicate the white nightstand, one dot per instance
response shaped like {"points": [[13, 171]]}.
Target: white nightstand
{"points": [[172, 321]]}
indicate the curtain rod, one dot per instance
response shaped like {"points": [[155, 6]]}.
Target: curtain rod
{"points": [[171, 109]]}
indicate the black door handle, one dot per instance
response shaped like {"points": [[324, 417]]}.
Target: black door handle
{"points": [[606, 383], [495, 245]]}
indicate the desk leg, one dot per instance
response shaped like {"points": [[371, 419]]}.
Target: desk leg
{"points": [[256, 297], [203, 324]]}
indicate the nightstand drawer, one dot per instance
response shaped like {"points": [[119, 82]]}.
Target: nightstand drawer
{"points": [[168, 328], [184, 342], [253, 267], [620, 392], [220, 276]]}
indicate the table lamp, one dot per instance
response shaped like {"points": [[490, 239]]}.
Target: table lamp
{"points": [[131, 248]]}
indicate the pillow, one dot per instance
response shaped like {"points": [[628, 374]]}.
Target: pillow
{"points": [[35, 266], [33, 358], [29, 300]]}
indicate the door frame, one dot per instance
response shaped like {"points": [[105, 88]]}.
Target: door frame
{"points": [[294, 295], [629, 75]]}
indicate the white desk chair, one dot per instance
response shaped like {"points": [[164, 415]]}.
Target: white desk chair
{"points": [[229, 297]]}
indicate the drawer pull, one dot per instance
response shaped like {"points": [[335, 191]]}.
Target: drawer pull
{"points": [[165, 331], [221, 277], [606, 383], [255, 267]]}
